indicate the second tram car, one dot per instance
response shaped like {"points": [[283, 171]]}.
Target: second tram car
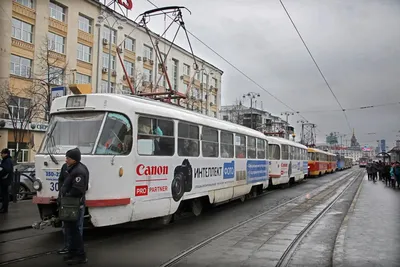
{"points": [[348, 162], [320, 162], [287, 159]]}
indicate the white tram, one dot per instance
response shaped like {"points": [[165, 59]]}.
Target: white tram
{"points": [[288, 161], [147, 158]]}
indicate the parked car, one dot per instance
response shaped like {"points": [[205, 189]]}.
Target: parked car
{"points": [[26, 180]]}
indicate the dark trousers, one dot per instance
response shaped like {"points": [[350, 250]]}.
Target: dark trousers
{"points": [[5, 196], [67, 239], [74, 237]]}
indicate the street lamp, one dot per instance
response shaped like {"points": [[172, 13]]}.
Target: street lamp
{"points": [[251, 96], [100, 19]]}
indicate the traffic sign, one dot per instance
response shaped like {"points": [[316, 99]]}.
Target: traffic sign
{"points": [[57, 92]]}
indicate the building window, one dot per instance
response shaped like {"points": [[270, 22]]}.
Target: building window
{"points": [[19, 108], [186, 69], [20, 66], [84, 53], [22, 30], [106, 34], [57, 11], [55, 76], [56, 43], [104, 85], [27, 3], [175, 74], [84, 24], [147, 75], [215, 83], [148, 52], [82, 78], [126, 90], [129, 44], [105, 61], [197, 76], [130, 67], [22, 147]]}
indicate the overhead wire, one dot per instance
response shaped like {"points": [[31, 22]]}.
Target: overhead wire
{"points": [[236, 68], [316, 64], [353, 108]]}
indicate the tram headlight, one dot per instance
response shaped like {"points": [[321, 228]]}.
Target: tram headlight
{"points": [[37, 185]]}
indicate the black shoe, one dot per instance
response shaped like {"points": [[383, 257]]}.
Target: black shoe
{"points": [[68, 257], [63, 251], [77, 260]]}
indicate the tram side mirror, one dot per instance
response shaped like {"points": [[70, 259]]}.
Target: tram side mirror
{"points": [[145, 146]]}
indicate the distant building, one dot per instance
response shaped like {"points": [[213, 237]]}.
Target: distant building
{"points": [[257, 119]]}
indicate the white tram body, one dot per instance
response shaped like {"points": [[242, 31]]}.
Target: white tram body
{"points": [[288, 160], [145, 157]]}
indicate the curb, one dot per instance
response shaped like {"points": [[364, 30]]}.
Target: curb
{"points": [[338, 250], [15, 229]]}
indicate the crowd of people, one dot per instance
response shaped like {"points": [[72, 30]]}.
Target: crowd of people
{"points": [[389, 173]]}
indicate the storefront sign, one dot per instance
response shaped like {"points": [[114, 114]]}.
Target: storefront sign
{"points": [[40, 127]]}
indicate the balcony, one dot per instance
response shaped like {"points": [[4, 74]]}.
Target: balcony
{"points": [[85, 38], [130, 55], [22, 44], [83, 64], [58, 27], [24, 13]]}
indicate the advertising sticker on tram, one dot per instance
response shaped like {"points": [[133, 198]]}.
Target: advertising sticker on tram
{"points": [[257, 171], [229, 170]]}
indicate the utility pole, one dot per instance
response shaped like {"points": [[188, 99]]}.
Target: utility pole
{"points": [[252, 96], [308, 135], [287, 113]]}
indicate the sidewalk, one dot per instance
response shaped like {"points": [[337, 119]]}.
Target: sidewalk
{"points": [[20, 215], [370, 233]]}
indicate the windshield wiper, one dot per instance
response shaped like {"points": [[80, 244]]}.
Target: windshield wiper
{"points": [[50, 138]]}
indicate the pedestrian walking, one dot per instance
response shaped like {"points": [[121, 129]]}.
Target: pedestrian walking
{"points": [[396, 173], [6, 176], [374, 171], [381, 167], [72, 206], [369, 170]]}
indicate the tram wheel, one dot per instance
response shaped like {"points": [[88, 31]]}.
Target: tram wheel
{"points": [[197, 206]]}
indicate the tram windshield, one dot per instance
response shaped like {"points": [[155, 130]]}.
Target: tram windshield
{"points": [[70, 130]]}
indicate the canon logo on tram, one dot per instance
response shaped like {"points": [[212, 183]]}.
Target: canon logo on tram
{"points": [[142, 169]]}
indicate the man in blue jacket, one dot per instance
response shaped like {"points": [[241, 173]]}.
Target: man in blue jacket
{"points": [[6, 176]]}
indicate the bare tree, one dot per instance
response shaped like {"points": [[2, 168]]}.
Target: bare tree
{"points": [[50, 71], [236, 112], [20, 107], [136, 81]]}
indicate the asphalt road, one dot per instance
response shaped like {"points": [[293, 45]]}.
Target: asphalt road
{"points": [[133, 246]]}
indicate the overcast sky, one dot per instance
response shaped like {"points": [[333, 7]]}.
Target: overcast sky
{"points": [[356, 44]]}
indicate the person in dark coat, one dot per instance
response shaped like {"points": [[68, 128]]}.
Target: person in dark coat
{"points": [[75, 185], [369, 170], [6, 176], [374, 170]]}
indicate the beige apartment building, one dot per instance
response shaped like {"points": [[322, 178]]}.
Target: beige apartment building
{"points": [[76, 40]]}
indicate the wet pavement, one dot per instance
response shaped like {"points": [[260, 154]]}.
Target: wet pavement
{"points": [[20, 215], [370, 234], [127, 246]]}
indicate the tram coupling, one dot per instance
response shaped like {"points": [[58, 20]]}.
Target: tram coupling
{"points": [[53, 221]]}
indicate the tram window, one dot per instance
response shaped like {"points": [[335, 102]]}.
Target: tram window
{"points": [[209, 143], [251, 148], [274, 152], [260, 149], [240, 146], [161, 131], [311, 156], [285, 152], [116, 137], [226, 145], [188, 140]]}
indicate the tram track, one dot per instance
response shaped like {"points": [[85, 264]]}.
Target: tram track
{"points": [[95, 239], [329, 189]]}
